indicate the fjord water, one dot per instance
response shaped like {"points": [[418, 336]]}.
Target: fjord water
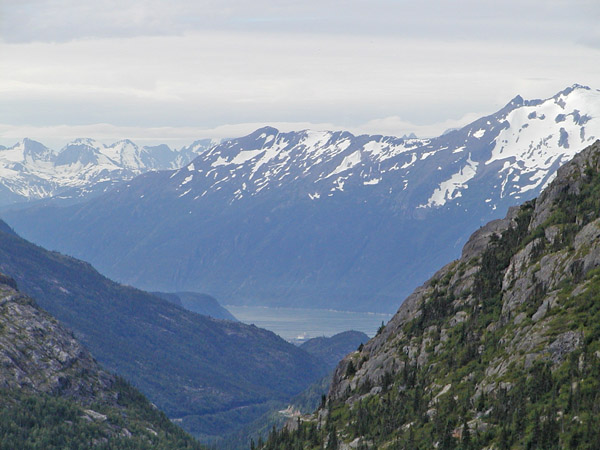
{"points": [[297, 324]]}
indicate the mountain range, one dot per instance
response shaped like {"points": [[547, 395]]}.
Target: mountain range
{"points": [[319, 219], [30, 171]]}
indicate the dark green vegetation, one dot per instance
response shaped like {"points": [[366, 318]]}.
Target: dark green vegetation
{"points": [[500, 349], [43, 421], [211, 375], [199, 303], [332, 349]]}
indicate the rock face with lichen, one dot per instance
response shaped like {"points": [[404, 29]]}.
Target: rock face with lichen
{"points": [[37, 354], [53, 393], [499, 349]]}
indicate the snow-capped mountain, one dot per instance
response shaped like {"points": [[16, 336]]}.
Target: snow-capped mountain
{"points": [[523, 144], [321, 219], [31, 171]]}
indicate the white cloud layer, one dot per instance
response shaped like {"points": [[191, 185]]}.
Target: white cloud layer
{"points": [[392, 67], [57, 136]]}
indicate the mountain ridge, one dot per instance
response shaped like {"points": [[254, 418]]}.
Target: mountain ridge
{"points": [[84, 167], [343, 205], [499, 349]]}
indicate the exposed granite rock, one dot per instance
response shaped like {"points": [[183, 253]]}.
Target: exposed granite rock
{"points": [[564, 344], [479, 240], [569, 178], [37, 354]]}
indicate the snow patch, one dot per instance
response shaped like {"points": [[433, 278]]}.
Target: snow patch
{"points": [[339, 184], [220, 161], [245, 155], [372, 181], [413, 159], [347, 163], [451, 188]]}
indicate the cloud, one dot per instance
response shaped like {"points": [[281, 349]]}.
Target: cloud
{"points": [[57, 136], [396, 126], [63, 20], [217, 77], [180, 65]]}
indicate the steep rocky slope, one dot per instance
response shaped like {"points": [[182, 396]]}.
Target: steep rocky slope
{"points": [[199, 303], [499, 349], [320, 219], [55, 395]]}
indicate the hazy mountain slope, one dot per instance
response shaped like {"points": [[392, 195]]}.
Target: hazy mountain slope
{"points": [[329, 349], [55, 395], [199, 303], [500, 349], [320, 219], [189, 365], [333, 349]]}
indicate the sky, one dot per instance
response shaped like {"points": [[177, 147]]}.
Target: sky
{"points": [[175, 71]]}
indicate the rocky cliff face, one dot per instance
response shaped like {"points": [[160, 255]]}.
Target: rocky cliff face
{"points": [[53, 393], [499, 349], [37, 354]]}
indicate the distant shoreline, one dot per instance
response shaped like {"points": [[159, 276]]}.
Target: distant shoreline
{"points": [[299, 324]]}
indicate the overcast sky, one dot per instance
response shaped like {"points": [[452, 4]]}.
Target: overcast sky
{"points": [[178, 70]]}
